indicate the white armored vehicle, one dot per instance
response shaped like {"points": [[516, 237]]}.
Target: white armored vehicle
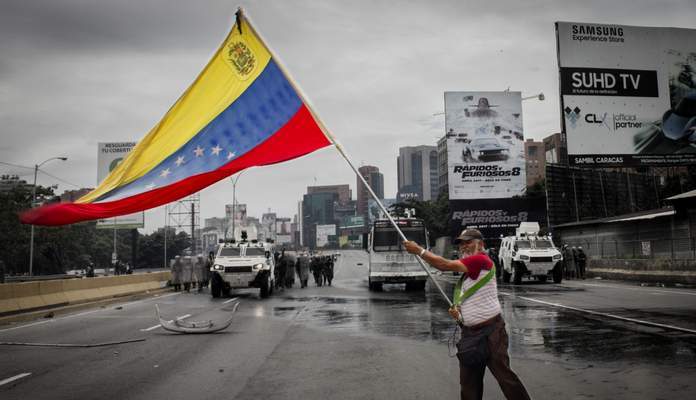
{"points": [[528, 254], [242, 265]]}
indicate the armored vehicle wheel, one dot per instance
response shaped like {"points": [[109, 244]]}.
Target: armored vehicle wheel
{"points": [[517, 278], [506, 277], [265, 289], [542, 278], [557, 274]]}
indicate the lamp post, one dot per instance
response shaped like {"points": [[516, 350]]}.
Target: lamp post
{"points": [[33, 201], [234, 203]]}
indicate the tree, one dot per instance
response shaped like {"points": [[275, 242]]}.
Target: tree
{"points": [[435, 214]]}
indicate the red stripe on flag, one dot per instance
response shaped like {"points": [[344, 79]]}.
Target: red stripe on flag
{"points": [[298, 137]]}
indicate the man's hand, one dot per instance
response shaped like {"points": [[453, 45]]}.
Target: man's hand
{"points": [[454, 312], [412, 247]]}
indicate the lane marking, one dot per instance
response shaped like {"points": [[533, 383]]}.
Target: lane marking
{"points": [[641, 288], [70, 344], [230, 300], [637, 321], [159, 325], [14, 378], [81, 314]]}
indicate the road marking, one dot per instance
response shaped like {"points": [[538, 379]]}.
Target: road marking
{"points": [[641, 288], [80, 314], [14, 378], [230, 300], [637, 321], [159, 325]]}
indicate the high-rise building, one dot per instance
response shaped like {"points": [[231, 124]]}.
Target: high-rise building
{"points": [[343, 191], [72, 195], [417, 169], [442, 183], [535, 161], [317, 209], [375, 179], [555, 150]]}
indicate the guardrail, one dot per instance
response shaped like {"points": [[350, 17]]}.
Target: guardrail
{"points": [[32, 296]]}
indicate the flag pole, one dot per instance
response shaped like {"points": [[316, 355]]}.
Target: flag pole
{"points": [[339, 148]]}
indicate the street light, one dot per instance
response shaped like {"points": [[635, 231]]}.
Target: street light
{"points": [[234, 204], [33, 201], [539, 96]]}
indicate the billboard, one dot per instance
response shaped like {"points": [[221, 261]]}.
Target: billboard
{"points": [[373, 210], [108, 157], [628, 94], [323, 233], [496, 217], [485, 145]]}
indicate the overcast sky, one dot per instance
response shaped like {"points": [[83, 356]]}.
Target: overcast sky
{"points": [[75, 72]]}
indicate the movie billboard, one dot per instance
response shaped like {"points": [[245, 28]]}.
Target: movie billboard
{"points": [[496, 217], [109, 155], [485, 145], [628, 94]]}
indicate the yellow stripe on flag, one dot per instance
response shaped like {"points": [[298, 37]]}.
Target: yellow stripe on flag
{"points": [[233, 68]]}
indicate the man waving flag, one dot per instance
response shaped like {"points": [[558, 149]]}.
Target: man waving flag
{"points": [[241, 111]]}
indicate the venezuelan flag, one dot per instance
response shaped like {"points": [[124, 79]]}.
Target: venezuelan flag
{"points": [[241, 111]]}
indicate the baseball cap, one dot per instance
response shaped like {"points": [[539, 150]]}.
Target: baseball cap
{"points": [[468, 234]]}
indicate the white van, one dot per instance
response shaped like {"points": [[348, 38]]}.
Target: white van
{"points": [[388, 260], [528, 254]]}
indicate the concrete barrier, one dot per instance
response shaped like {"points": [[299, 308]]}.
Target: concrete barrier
{"points": [[8, 302], [649, 271], [29, 296]]}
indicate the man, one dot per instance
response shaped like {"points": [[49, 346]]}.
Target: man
{"points": [[187, 273], [279, 271], [580, 263], [328, 270], [315, 267], [568, 262], [302, 268], [476, 314], [288, 262], [200, 272], [177, 270]]}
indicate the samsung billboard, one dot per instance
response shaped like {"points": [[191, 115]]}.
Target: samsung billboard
{"points": [[628, 94]]}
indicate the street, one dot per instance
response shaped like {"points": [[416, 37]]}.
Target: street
{"points": [[579, 339]]}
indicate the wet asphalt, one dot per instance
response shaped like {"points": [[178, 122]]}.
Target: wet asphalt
{"points": [[344, 341]]}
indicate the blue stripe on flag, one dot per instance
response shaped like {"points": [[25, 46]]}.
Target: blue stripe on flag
{"points": [[268, 104]]}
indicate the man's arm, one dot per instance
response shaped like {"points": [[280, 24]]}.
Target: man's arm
{"points": [[434, 260]]}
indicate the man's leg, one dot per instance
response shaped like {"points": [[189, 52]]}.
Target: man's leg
{"points": [[499, 364], [471, 381]]}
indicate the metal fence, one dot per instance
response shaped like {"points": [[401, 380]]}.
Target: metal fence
{"points": [[647, 249]]}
